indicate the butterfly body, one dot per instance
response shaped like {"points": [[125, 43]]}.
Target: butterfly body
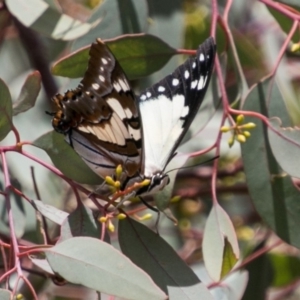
{"points": [[107, 126]]}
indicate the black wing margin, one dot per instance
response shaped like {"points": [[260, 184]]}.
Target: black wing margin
{"points": [[181, 94]]}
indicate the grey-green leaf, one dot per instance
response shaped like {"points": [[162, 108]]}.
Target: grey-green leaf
{"points": [[52, 213], [285, 144], [28, 94], [162, 263], [5, 110], [66, 159], [99, 266], [274, 196]]}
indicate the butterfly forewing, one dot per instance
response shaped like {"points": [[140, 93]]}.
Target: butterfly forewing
{"points": [[100, 117], [168, 107]]}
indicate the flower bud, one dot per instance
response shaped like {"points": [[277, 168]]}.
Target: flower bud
{"points": [[246, 134], [109, 180], [249, 125], [225, 129], [241, 138], [121, 216], [240, 119], [146, 217]]}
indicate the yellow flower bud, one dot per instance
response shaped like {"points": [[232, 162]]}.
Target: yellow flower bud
{"points": [[240, 119], [249, 125], [117, 184], [109, 180], [295, 47], [145, 217], [121, 216], [225, 129], [247, 134], [119, 171], [111, 226], [102, 219], [241, 138], [175, 199]]}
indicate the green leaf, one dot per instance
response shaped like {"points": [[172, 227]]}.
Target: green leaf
{"points": [[40, 16], [290, 265], [99, 266], [73, 65], [285, 145], [81, 222], [274, 196], [139, 55], [52, 213], [29, 93], [260, 277], [219, 231], [162, 263], [229, 259], [66, 159], [284, 22], [5, 110]]}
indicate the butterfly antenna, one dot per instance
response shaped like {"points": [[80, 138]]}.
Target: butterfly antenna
{"points": [[202, 163]]}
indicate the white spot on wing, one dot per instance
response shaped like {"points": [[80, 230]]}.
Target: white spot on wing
{"points": [[101, 69], [143, 97], [128, 112], [161, 89], [117, 86], [95, 86], [120, 125], [175, 82], [186, 74], [117, 107], [201, 57], [83, 129], [123, 84], [194, 65], [101, 78], [194, 84], [148, 94], [201, 83], [104, 61]]}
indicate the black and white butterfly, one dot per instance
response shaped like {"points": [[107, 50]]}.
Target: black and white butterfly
{"points": [[107, 126]]}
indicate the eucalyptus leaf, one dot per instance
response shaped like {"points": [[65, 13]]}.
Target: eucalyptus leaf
{"points": [[99, 266], [66, 159], [5, 110], [154, 255]]}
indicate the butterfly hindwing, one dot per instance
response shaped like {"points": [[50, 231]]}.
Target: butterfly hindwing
{"points": [[100, 117], [169, 106]]}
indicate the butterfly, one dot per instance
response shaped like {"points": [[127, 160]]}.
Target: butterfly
{"points": [[107, 125]]}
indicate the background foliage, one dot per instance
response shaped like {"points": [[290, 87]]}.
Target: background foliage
{"points": [[238, 217]]}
